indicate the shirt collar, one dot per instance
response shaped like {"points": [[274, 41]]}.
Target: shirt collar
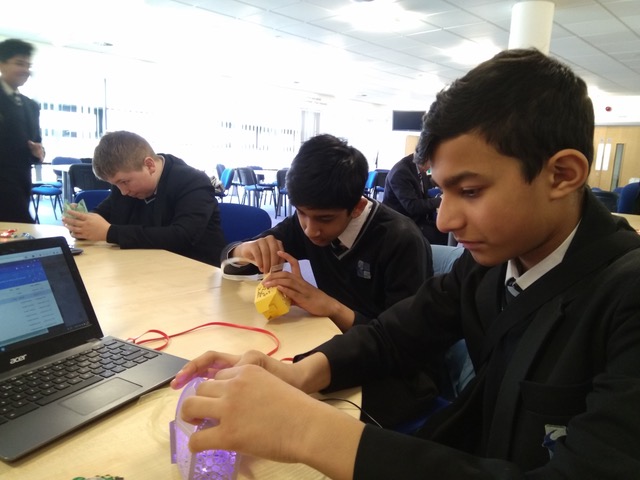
{"points": [[7, 89], [348, 237], [534, 273]]}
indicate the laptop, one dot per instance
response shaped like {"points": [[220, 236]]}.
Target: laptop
{"points": [[57, 370]]}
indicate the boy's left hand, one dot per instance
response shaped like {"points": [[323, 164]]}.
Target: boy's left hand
{"points": [[301, 292], [86, 226]]}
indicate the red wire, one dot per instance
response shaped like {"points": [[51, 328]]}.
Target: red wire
{"points": [[166, 338]]}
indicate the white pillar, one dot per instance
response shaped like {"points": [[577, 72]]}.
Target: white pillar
{"points": [[531, 23]]}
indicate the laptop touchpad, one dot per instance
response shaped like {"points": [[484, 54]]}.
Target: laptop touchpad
{"points": [[100, 395]]}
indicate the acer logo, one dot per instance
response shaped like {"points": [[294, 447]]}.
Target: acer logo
{"points": [[18, 359]]}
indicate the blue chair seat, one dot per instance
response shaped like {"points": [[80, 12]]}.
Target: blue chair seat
{"points": [[53, 192]]}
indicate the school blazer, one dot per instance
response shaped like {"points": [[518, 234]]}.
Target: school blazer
{"points": [[14, 135], [567, 405]]}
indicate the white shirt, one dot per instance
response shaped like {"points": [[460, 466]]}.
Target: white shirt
{"points": [[7, 89], [534, 273], [348, 237]]}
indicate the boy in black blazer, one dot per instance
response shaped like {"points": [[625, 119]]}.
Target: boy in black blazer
{"points": [[557, 352], [20, 140], [158, 201]]}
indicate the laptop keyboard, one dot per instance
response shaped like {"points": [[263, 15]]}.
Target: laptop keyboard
{"points": [[27, 392]]}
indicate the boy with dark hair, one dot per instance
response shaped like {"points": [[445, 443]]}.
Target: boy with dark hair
{"points": [[20, 138], [364, 256], [159, 202], [557, 352]]}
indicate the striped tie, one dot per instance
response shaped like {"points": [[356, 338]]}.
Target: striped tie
{"points": [[511, 291]]}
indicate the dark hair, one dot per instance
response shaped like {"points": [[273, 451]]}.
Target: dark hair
{"points": [[327, 173], [13, 47], [522, 102]]}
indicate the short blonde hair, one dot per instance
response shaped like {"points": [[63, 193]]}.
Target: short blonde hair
{"points": [[120, 151]]}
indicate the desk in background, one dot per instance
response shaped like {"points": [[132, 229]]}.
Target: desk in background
{"points": [[634, 220], [136, 290]]}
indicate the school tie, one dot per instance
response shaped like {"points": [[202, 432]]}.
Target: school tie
{"points": [[17, 99], [511, 291], [421, 182], [338, 247]]}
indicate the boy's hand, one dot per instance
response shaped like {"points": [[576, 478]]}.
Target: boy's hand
{"points": [[263, 251], [307, 296], [86, 226], [210, 363]]}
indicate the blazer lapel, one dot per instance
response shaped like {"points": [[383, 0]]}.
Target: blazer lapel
{"points": [[507, 401], [547, 295]]}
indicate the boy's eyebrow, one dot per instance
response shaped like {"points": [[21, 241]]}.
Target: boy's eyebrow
{"points": [[456, 179]]}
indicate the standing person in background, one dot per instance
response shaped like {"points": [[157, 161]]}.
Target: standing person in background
{"points": [[20, 138], [158, 201], [406, 190]]}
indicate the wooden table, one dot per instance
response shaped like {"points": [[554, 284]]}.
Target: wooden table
{"points": [[136, 290], [634, 220]]}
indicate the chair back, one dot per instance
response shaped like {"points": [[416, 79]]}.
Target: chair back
{"points": [[219, 169], [81, 177], [241, 222], [92, 198], [226, 178], [628, 198], [609, 199], [281, 179], [247, 176], [63, 161], [370, 184], [381, 178]]}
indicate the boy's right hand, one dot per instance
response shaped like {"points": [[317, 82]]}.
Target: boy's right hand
{"points": [[210, 363], [263, 252]]}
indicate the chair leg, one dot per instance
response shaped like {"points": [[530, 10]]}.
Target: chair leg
{"points": [[54, 202], [36, 204]]}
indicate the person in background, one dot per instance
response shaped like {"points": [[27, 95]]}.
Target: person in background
{"points": [[406, 190], [158, 202], [20, 137], [545, 294], [365, 257]]}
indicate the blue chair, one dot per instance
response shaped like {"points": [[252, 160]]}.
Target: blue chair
{"points": [[381, 177], [628, 198], [92, 198], [251, 186], [240, 222], [281, 185], [44, 190], [370, 184], [375, 183], [226, 178]]}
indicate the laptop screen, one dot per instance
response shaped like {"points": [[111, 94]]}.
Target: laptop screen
{"points": [[43, 303]]}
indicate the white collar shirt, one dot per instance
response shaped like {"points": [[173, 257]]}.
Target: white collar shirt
{"points": [[348, 237], [534, 273]]}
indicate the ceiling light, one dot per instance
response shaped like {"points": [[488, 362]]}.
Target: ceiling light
{"points": [[472, 53], [381, 16]]}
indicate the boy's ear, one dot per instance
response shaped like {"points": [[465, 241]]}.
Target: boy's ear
{"points": [[568, 170], [359, 208], [150, 164]]}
